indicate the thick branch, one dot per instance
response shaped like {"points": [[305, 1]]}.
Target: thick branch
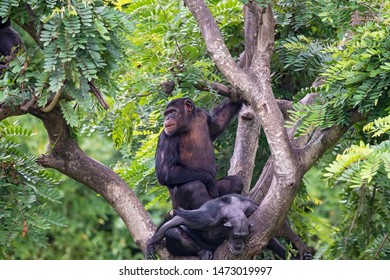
{"points": [[251, 34], [242, 162], [256, 88], [216, 47], [66, 156], [322, 140], [7, 111]]}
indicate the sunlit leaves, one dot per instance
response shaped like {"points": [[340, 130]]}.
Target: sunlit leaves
{"points": [[378, 127], [363, 171]]}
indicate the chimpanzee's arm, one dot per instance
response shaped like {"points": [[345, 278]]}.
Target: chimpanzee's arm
{"points": [[221, 115], [177, 175], [171, 173], [160, 234]]}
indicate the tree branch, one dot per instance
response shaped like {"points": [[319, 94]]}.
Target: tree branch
{"points": [[6, 111], [66, 156], [255, 86], [216, 47], [219, 88], [242, 162]]}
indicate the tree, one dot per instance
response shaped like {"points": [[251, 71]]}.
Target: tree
{"points": [[77, 49]]}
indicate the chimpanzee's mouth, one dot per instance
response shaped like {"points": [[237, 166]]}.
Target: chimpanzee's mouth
{"points": [[235, 250]]}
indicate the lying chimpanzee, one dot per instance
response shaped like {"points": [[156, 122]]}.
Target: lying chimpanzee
{"points": [[207, 227]]}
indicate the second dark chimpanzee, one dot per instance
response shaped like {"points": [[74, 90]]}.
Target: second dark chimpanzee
{"points": [[185, 158], [10, 40], [208, 227]]}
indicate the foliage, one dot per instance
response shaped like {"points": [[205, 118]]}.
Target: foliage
{"points": [[378, 127], [130, 50], [79, 44], [321, 19], [298, 60], [357, 80], [27, 192], [162, 51], [363, 171], [307, 34], [93, 232]]}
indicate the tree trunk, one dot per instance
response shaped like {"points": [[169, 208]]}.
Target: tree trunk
{"points": [[243, 160]]}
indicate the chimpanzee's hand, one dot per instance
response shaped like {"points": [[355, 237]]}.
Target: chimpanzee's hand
{"points": [[150, 253], [205, 255], [213, 189]]}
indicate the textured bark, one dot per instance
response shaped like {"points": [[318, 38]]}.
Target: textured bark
{"points": [[255, 85], [242, 162], [67, 157]]}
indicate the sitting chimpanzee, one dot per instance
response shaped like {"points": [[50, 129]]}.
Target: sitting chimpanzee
{"points": [[207, 227], [185, 159]]}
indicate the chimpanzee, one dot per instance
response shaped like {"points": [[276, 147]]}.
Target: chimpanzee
{"points": [[207, 227], [9, 38], [185, 158]]}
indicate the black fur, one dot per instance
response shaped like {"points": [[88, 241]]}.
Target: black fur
{"points": [[199, 218], [10, 40], [185, 159], [202, 230]]}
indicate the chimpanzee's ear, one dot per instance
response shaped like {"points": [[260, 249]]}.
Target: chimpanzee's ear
{"points": [[189, 105]]}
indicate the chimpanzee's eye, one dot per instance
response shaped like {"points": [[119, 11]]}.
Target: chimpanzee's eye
{"points": [[170, 113]]}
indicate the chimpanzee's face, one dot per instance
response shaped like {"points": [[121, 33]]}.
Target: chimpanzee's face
{"points": [[177, 116], [239, 231]]}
